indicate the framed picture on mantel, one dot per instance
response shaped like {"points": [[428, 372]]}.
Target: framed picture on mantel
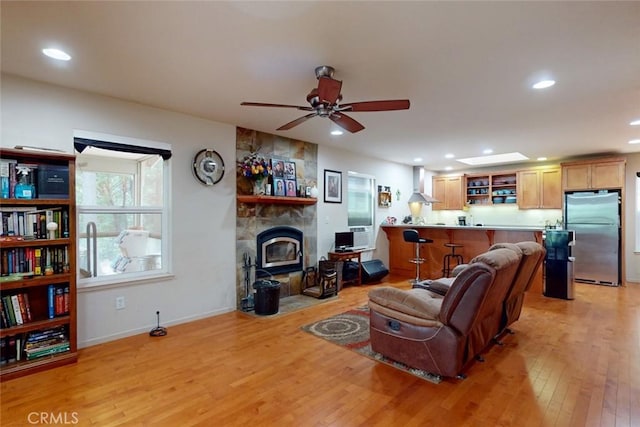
{"points": [[332, 186]]}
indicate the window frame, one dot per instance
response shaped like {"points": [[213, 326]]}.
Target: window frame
{"points": [[370, 195], [131, 278]]}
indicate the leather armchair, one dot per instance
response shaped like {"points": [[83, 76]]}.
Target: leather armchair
{"points": [[441, 335], [532, 256]]}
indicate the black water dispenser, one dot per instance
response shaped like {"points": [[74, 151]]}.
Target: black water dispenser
{"points": [[558, 263]]}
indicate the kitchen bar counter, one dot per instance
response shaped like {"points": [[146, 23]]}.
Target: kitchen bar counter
{"points": [[475, 239]]}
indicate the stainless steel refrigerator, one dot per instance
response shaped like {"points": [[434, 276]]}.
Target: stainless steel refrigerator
{"points": [[595, 218]]}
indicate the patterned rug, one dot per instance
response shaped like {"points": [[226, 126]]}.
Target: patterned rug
{"points": [[351, 330]]}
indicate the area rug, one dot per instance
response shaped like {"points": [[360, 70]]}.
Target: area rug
{"points": [[351, 330]]}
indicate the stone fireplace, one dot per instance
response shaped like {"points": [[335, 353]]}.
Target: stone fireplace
{"points": [[283, 259]]}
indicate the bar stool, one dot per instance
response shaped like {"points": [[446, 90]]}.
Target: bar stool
{"points": [[412, 236], [446, 262]]}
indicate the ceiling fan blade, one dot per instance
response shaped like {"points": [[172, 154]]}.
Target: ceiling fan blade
{"points": [[297, 121], [261, 104], [329, 89], [346, 122], [396, 104]]}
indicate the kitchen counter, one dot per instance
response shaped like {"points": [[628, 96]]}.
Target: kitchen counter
{"points": [[475, 240], [472, 227]]}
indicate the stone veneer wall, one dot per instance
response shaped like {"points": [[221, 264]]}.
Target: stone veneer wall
{"points": [[252, 219]]}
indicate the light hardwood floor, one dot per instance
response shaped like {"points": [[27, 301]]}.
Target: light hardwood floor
{"points": [[570, 363]]}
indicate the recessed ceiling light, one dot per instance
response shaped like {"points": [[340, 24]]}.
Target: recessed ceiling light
{"points": [[448, 168], [336, 132], [543, 84], [634, 141], [417, 159], [449, 156], [57, 54], [487, 151], [635, 123], [495, 158], [542, 159]]}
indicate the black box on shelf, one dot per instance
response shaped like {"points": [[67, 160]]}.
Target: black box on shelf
{"points": [[53, 182]]}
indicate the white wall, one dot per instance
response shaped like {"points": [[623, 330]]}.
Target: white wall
{"points": [[203, 218], [332, 217]]}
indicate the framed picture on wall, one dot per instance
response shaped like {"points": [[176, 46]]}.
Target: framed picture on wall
{"points": [[332, 186]]}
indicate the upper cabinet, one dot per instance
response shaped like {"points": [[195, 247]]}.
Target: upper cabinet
{"points": [[494, 189], [448, 190], [593, 174], [540, 189]]}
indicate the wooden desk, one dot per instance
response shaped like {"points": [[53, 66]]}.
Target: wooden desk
{"points": [[348, 256]]}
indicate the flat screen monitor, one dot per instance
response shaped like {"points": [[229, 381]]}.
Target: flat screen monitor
{"points": [[344, 240]]}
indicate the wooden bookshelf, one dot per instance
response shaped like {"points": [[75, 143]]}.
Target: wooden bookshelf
{"points": [[29, 277], [278, 200]]}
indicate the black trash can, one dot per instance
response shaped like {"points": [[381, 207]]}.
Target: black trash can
{"points": [[267, 298]]}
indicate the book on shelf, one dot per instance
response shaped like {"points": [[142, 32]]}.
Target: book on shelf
{"points": [[8, 307], [36, 338], [46, 342], [30, 223], [16, 309], [47, 350], [50, 301], [33, 261]]}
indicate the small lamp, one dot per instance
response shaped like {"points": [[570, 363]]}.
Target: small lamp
{"points": [[416, 201]]}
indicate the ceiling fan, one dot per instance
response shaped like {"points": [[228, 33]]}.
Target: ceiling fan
{"points": [[325, 102]]}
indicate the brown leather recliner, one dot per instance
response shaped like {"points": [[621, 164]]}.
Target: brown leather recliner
{"points": [[532, 256], [443, 335]]}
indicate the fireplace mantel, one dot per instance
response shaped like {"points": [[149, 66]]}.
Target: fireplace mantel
{"points": [[278, 200]]}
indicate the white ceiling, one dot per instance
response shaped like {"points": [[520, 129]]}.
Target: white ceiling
{"points": [[467, 68]]}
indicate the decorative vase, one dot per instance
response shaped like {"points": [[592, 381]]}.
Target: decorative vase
{"points": [[258, 187]]}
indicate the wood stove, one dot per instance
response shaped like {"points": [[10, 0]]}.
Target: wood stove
{"points": [[279, 250]]}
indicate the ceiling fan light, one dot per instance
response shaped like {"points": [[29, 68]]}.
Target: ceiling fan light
{"points": [[635, 122], [336, 132], [634, 141]]}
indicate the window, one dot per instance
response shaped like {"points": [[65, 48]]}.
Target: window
{"points": [[360, 207], [121, 199]]}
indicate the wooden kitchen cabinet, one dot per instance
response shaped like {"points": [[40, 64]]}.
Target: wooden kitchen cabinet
{"points": [[540, 189], [593, 174], [448, 190]]}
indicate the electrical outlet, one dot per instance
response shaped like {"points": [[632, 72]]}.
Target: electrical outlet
{"points": [[120, 304]]}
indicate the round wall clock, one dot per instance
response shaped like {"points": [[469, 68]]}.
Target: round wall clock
{"points": [[208, 167]]}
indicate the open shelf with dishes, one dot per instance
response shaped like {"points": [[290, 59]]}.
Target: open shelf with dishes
{"points": [[491, 189], [503, 188]]}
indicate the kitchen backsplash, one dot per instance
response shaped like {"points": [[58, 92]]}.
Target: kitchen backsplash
{"points": [[496, 215]]}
